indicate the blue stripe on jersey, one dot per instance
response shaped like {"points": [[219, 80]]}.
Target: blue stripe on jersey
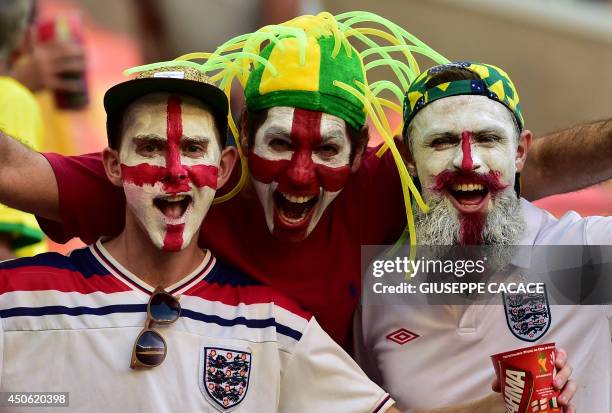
{"points": [[224, 273], [381, 404], [72, 311], [251, 323], [136, 308], [80, 260]]}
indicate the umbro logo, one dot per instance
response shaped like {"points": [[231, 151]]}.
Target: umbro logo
{"points": [[402, 336]]}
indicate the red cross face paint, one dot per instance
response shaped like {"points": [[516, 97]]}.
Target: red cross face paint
{"points": [[169, 163], [464, 148], [299, 163]]}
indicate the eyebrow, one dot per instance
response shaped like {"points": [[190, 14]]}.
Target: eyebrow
{"points": [[490, 131], [436, 135], [149, 138], [277, 131], [334, 135], [195, 139]]}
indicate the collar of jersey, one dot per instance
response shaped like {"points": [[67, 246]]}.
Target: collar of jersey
{"points": [[133, 281], [535, 219]]}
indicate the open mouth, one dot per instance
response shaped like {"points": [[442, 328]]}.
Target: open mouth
{"points": [[294, 210], [173, 206], [469, 197]]}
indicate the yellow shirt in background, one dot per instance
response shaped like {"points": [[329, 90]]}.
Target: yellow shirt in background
{"points": [[20, 118]]}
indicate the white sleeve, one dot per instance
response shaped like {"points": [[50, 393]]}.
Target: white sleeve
{"points": [[610, 350], [361, 351], [598, 231], [320, 377], [1, 350]]}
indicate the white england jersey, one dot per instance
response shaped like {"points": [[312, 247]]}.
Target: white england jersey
{"points": [[430, 356], [69, 325]]}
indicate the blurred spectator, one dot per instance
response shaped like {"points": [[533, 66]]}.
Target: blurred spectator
{"points": [[19, 117], [105, 54], [41, 67]]}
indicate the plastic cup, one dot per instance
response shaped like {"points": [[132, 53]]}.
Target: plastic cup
{"points": [[526, 376]]}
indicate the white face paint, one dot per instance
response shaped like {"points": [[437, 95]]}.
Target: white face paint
{"points": [[299, 162], [438, 132], [169, 163], [465, 152]]}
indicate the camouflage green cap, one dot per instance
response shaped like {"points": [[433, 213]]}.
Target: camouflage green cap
{"points": [[493, 83]]}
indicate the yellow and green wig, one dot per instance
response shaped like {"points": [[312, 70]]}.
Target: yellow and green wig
{"points": [[322, 63]]}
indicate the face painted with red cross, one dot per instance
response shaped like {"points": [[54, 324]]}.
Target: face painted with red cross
{"points": [[169, 159], [299, 162], [467, 150]]}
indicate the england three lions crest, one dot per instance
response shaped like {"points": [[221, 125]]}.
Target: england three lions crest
{"points": [[224, 376], [528, 315]]}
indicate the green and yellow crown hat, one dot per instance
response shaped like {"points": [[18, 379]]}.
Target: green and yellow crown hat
{"points": [[493, 83], [303, 72]]}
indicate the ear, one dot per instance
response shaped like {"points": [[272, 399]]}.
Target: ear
{"points": [[229, 156], [404, 150], [406, 153], [523, 147], [112, 166], [360, 149]]}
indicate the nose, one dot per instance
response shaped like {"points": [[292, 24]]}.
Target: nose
{"points": [[175, 169], [467, 158], [177, 174], [301, 169]]}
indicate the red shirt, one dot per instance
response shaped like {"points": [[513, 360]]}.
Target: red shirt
{"points": [[322, 273]]}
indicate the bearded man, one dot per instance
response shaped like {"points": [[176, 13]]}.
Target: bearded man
{"points": [[465, 130], [317, 192], [75, 323]]}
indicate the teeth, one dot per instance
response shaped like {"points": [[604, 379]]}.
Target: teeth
{"points": [[468, 187], [175, 198], [297, 199]]}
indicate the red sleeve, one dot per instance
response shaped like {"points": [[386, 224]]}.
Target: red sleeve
{"points": [[90, 206], [384, 216]]}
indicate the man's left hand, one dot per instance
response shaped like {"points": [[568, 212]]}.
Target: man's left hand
{"points": [[561, 381]]}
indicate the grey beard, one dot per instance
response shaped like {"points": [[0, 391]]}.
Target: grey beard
{"points": [[504, 224]]}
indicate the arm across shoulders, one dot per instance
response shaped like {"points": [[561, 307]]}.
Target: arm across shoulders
{"points": [[568, 160], [90, 206]]}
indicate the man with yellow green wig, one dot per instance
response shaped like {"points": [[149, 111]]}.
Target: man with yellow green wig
{"points": [[303, 134], [316, 193], [464, 126]]}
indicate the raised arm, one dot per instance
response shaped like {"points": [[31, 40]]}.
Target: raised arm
{"points": [[27, 181], [568, 160]]}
